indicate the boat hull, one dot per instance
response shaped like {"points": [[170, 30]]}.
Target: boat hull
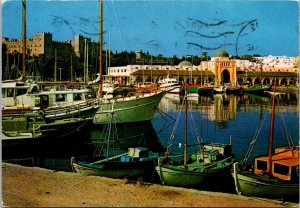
{"points": [[113, 169], [207, 91], [129, 109], [261, 186], [192, 177]]}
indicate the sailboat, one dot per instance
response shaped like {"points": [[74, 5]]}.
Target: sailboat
{"points": [[275, 175], [195, 169], [138, 161], [132, 108]]}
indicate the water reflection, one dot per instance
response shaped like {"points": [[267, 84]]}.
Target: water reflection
{"points": [[219, 117]]}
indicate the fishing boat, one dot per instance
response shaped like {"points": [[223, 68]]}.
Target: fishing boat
{"points": [[236, 90], [275, 175], [138, 161], [35, 125], [192, 88], [193, 169], [257, 89], [205, 90]]}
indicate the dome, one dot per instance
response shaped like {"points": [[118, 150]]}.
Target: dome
{"points": [[221, 53], [185, 63]]}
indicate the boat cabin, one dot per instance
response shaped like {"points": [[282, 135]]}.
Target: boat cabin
{"points": [[19, 94], [135, 154], [61, 98], [284, 164]]}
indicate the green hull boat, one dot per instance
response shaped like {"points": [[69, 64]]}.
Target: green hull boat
{"points": [[129, 109], [194, 174], [249, 184], [257, 89]]}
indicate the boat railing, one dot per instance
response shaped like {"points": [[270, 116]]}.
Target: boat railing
{"points": [[70, 108]]}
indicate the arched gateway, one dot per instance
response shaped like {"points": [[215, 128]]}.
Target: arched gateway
{"points": [[225, 71]]}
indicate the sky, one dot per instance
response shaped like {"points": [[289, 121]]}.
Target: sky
{"points": [[178, 27]]}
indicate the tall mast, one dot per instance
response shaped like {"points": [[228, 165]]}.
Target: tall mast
{"points": [[272, 127], [24, 39], [185, 130], [100, 93]]}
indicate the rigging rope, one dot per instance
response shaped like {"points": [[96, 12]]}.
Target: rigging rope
{"points": [[172, 136], [287, 134], [252, 143]]}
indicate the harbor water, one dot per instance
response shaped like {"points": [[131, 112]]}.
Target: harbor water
{"points": [[220, 118]]}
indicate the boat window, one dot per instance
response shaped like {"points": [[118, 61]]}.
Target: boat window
{"points": [[281, 169], [77, 96], [3, 93], [10, 92], [21, 91], [60, 98], [261, 165]]}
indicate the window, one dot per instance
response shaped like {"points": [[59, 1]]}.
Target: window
{"points": [[76, 97], [3, 93], [21, 91], [261, 165], [60, 98], [281, 169], [10, 92]]}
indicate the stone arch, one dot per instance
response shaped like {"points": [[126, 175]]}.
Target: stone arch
{"points": [[225, 76], [266, 81], [240, 81], [249, 80], [292, 81], [283, 81], [256, 81]]}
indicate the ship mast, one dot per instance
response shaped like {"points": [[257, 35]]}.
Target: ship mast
{"points": [[100, 93], [272, 128], [23, 40]]}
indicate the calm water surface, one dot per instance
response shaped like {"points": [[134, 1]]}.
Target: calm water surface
{"points": [[219, 118]]}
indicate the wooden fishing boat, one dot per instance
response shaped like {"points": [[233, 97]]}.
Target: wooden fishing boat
{"points": [[203, 166], [137, 161], [275, 175], [194, 169]]}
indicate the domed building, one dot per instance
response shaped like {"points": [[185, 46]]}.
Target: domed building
{"points": [[221, 53], [185, 63]]}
